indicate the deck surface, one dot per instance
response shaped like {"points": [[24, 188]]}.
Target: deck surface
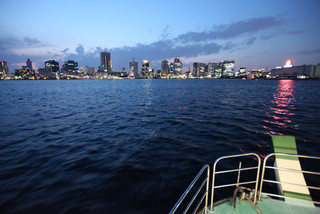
{"points": [[267, 206]]}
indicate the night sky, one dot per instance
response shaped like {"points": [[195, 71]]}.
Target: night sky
{"points": [[254, 33]]}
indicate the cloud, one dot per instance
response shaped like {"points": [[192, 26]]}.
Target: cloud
{"points": [[232, 30], [165, 33], [308, 52], [251, 41], [65, 50], [80, 49], [30, 41], [280, 33]]}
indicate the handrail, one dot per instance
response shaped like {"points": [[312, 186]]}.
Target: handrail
{"points": [[205, 195], [234, 170], [264, 167]]}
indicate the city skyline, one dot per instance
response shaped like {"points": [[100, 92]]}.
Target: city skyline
{"points": [[254, 34]]}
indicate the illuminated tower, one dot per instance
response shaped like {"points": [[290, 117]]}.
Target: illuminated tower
{"points": [[105, 62], [133, 68], [177, 67], [145, 67], [165, 67]]}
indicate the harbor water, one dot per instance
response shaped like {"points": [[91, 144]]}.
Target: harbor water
{"points": [[133, 146]]}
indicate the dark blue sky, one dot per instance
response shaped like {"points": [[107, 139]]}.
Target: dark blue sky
{"points": [[255, 34]]}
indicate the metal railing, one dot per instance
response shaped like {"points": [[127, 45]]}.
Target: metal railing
{"points": [[286, 169], [214, 173], [204, 196]]}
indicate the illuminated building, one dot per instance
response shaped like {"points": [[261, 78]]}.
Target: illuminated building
{"points": [[24, 73], [259, 74], [165, 67], [218, 70], [29, 64], [105, 62], [295, 72], [210, 69], [133, 69], [52, 65], [70, 67], [170, 71], [145, 68], [228, 69], [177, 67], [199, 69], [242, 72], [4, 69]]}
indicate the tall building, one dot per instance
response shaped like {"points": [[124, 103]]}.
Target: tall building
{"points": [[4, 69], [199, 69], [52, 65], [70, 67], [218, 67], [29, 64], [170, 71], [165, 67], [105, 62], [210, 69], [177, 67], [133, 68], [228, 69], [145, 68]]}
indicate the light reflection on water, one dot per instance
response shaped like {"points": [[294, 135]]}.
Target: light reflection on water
{"points": [[281, 109]]}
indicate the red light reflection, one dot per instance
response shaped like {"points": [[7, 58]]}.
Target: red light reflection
{"points": [[279, 120]]}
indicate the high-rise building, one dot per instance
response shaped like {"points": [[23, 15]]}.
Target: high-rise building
{"points": [[199, 69], [210, 69], [228, 69], [52, 65], [145, 68], [177, 67], [70, 67], [165, 67], [4, 69], [105, 62], [29, 64], [170, 71], [133, 68], [218, 70]]}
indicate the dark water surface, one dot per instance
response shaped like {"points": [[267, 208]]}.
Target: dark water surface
{"points": [[133, 146]]}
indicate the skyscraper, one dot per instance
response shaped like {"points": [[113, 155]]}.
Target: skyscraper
{"points": [[70, 67], [52, 65], [165, 67], [29, 64], [210, 69], [4, 69], [105, 62], [177, 67], [133, 68], [199, 69], [145, 68], [228, 69]]}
